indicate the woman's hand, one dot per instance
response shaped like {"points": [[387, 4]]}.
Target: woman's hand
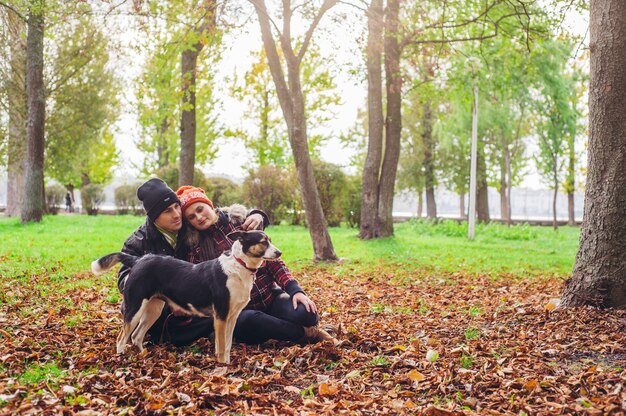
{"points": [[309, 305], [252, 222]]}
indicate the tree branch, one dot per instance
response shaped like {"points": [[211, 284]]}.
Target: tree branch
{"points": [[309, 34], [273, 59], [20, 15]]}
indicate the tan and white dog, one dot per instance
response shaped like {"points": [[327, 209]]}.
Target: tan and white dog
{"points": [[218, 288]]}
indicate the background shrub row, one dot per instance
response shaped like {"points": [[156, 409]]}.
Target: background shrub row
{"points": [[270, 188]]}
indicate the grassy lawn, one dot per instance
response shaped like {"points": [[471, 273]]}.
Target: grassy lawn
{"points": [[67, 244]]}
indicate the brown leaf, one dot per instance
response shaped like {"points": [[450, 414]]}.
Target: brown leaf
{"points": [[326, 389]]}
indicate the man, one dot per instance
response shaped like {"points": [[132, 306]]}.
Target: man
{"points": [[163, 233]]}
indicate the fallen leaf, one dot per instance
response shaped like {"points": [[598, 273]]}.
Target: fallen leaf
{"points": [[326, 389], [415, 375]]}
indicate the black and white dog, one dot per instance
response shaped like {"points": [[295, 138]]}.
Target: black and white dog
{"points": [[218, 288]]}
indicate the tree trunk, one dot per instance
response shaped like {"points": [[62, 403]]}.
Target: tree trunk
{"points": [[462, 213], [34, 201], [571, 215], [163, 156], [429, 169], [509, 185], [505, 209], [18, 113], [393, 121], [291, 101], [85, 198], [570, 182], [555, 194], [482, 196], [420, 205], [371, 169], [188, 117], [599, 277], [503, 202]]}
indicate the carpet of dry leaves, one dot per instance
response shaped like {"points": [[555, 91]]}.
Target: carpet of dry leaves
{"points": [[494, 348]]}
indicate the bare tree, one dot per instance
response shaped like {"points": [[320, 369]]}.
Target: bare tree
{"points": [[291, 98], [599, 276], [189, 61]]}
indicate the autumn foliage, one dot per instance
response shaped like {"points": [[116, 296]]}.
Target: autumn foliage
{"points": [[412, 343]]}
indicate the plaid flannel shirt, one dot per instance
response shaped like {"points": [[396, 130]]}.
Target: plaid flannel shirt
{"points": [[272, 276]]}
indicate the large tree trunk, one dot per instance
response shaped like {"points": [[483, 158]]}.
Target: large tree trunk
{"points": [[18, 114], [34, 201], [291, 101], [482, 196], [371, 169], [393, 121], [429, 169], [599, 277], [189, 63]]}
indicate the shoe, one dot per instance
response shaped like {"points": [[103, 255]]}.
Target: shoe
{"points": [[315, 334]]}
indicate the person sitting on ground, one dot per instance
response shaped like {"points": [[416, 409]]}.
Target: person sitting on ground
{"points": [[278, 308], [162, 233]]}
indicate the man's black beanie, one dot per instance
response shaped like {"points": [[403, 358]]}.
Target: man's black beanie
{"points": [[156, 196]]}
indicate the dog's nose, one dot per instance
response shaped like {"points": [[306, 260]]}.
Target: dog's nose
{"points": [[278, 253]]}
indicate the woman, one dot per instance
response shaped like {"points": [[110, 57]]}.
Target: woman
{"points": [[278, 308]]}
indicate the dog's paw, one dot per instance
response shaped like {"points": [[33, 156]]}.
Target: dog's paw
{"points": [[223, 359]]}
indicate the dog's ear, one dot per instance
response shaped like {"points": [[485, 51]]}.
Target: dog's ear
{"points": [[236, 235]]}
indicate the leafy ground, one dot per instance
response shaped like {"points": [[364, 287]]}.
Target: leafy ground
{"points": [[417, 337]]}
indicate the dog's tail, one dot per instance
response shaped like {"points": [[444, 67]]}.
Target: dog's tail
{"points": [[103, 264]]}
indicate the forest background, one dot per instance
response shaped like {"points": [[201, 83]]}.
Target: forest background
{"points": [[237, 135]]}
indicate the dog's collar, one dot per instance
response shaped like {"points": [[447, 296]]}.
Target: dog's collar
{"points": [[243, 263]]}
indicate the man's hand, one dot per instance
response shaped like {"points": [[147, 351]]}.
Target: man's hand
{"points": [[309, 305], [253, 222]]}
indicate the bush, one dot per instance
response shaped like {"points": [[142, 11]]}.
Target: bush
{"points": [[332, 189], [223, 192], [92, 196], [55, 197], [294, 208], [170, 176], [126, 199], [351, 203], [267, 189]]}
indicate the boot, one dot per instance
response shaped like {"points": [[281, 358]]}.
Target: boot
{"points": [[315, 334]]}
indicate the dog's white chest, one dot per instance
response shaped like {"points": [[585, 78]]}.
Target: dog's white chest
{"points": [[240, 287], [239, 282]]}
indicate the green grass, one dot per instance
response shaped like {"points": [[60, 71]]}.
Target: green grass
{"points": [[36, 373], [66, 244], [519, 250], [60, 245]]}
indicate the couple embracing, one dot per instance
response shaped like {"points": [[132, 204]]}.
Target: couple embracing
{"points": [[186, 225]]}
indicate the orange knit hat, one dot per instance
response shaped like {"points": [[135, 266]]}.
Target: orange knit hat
{"points": [[190, 194]]}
